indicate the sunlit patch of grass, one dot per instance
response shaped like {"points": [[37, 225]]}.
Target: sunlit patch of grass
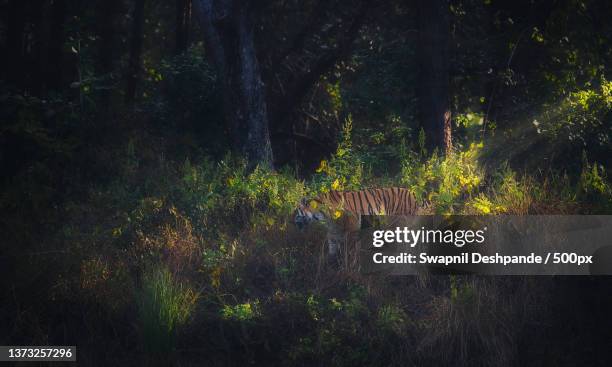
{"points": [[164, 306]]}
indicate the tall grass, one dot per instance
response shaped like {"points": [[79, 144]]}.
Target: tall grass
{"points": [[164, 306]]}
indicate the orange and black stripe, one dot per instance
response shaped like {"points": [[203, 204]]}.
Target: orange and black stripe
{"points": [[389, 201]]}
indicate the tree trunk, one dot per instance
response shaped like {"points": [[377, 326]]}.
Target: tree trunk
{"points": [[55, 53], [14, 53], [434, 75], [37, 46], [134, 67], [183, 25], [230, 41], [106, 29]]}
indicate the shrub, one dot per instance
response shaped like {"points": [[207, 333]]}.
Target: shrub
{"points": [[391, 318], [581, 120], [344, 170], [593, 186], [443, 180], [242, 312]]}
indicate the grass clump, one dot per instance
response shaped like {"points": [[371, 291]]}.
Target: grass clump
{"points": [[164, 306]]}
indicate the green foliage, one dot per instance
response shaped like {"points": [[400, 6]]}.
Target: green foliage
{"points": [[242, 312], [335, 96], [391, 318], [443, 180], [344, 170], [469, 125], [581, 119], [594, 187], [592, 180], [506, 194], [219, 191], [511, 195]]}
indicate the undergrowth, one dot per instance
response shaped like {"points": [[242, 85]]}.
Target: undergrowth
{"points": [[171, 256]]}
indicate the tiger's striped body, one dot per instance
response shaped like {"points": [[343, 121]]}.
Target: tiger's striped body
{"points": [[387, 201], [342, 210]]}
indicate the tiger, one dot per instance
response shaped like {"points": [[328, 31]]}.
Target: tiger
{"points": [[341, 211]]}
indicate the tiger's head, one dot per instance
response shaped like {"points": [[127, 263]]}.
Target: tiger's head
{"points": [[426, 208], [307, 213]]}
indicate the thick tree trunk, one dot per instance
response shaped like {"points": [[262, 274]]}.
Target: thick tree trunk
{"points": [[230, 41], [134, 67], [258, 148], [434, 75]]}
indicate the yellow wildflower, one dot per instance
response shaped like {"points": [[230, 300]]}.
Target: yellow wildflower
{"points": [[335, 185], [322, 166]]}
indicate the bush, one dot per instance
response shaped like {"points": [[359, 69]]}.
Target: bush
{"points": [[344, 170], [446, 181]]}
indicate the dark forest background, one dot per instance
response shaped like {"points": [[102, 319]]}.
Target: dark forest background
{"points": [[152, 153]]}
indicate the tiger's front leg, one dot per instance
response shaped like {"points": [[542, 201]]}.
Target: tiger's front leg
{"points": [[333, 247], [339, 231], [334, 239]]}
